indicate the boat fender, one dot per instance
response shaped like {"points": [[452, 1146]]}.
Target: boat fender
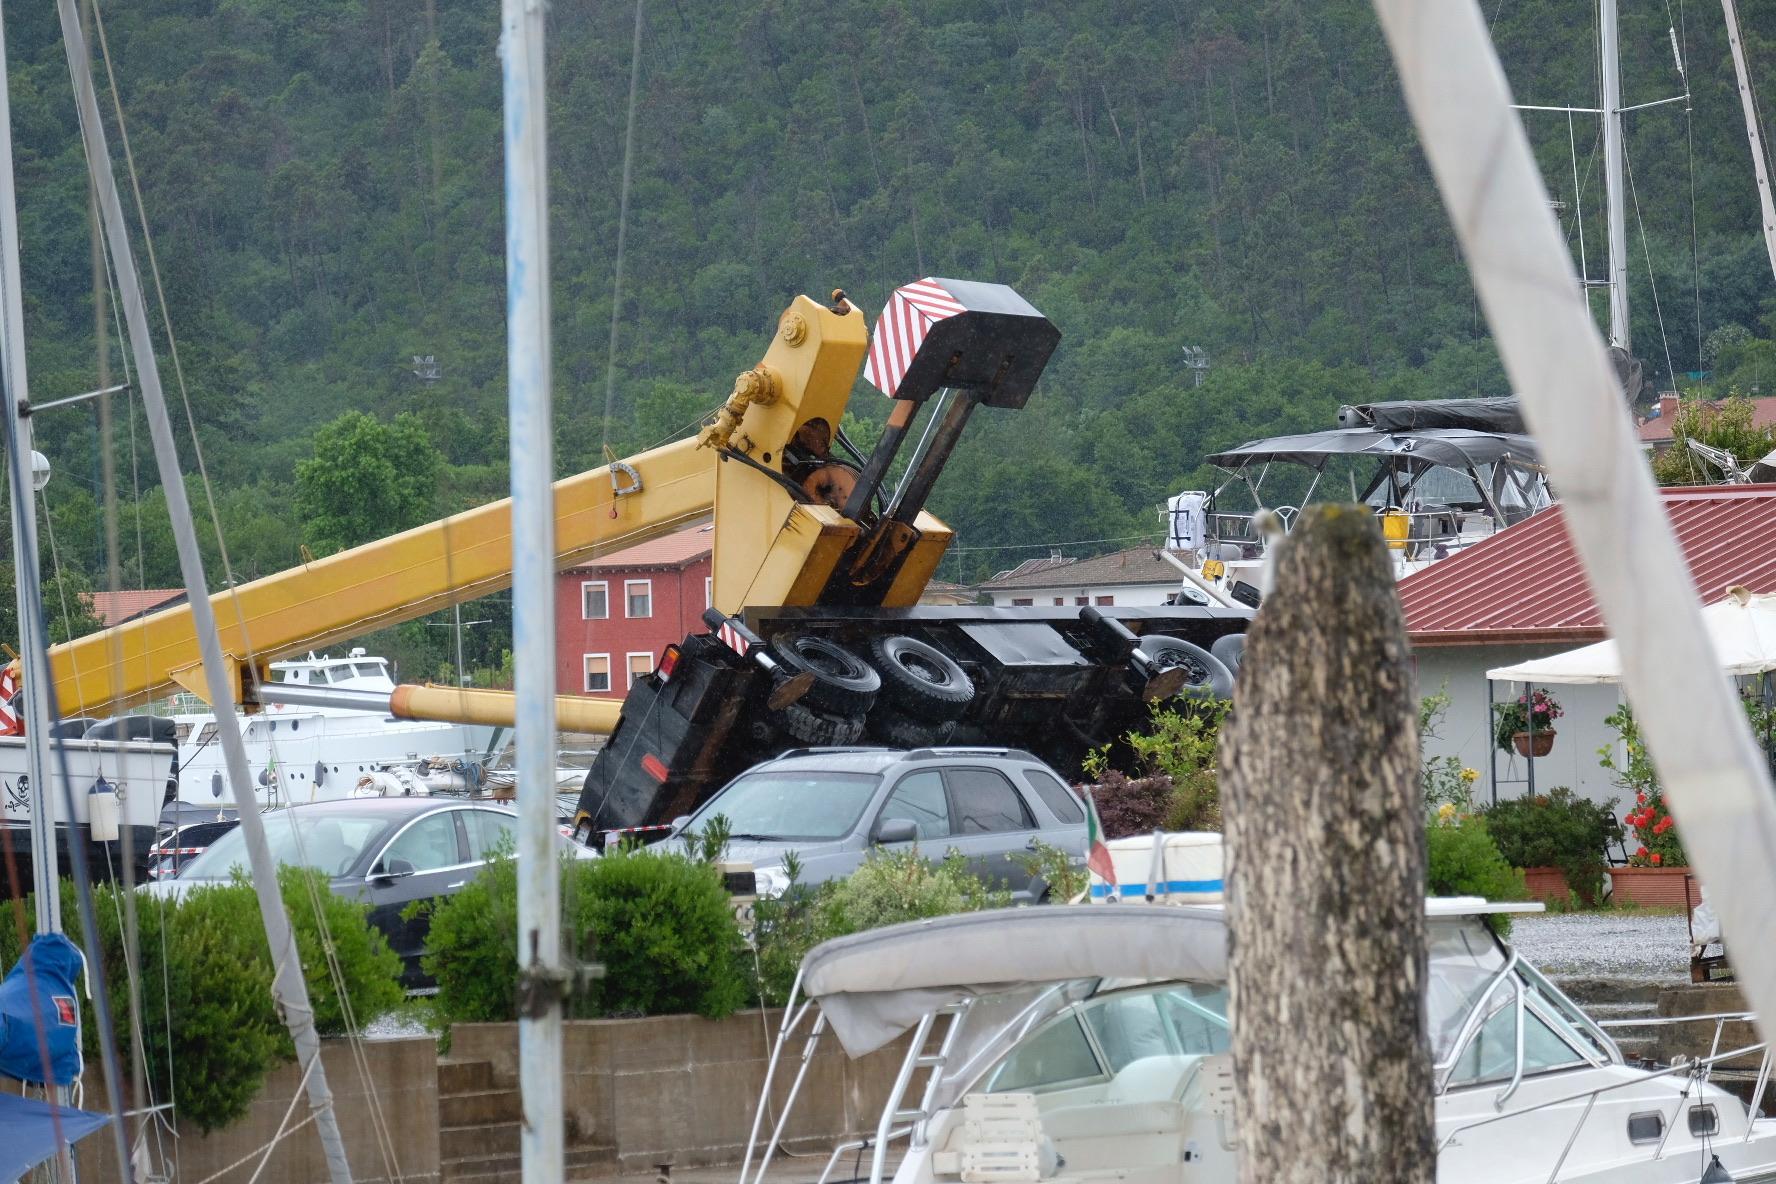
{"points": [[216, 784], [320, 774], [101, 811]]}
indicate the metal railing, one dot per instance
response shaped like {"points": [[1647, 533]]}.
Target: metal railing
{"points": [[1698, 1070]]}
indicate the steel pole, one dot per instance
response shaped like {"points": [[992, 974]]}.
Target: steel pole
{"points": [[533, 584], [24, 534], [288, 987], [1614, 191]]}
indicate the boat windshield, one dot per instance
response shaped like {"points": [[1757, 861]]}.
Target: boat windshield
{"points": [[804, 804], [1155, 1033], [1464, 959], [329, 840]]}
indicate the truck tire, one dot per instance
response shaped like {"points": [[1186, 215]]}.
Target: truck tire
{"points": [[900, 731], [1206, 676], [1231, 650], [818, 729], [844, 683], [921, 679]]}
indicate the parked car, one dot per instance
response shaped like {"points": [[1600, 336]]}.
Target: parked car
{"points": [[177, 845], [832, 806], [388, 852]]}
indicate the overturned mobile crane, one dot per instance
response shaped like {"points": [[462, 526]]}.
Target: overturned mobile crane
{"points": [[816, 633], [815, 637]]}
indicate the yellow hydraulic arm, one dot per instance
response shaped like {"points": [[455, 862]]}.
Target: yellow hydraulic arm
{"points": [[770, 547]]}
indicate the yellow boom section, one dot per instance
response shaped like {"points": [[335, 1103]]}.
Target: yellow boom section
{"points": [[381, 583], [807, 373]]}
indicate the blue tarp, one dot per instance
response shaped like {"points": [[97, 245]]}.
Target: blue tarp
{"points": [[39, 1007], [31, 1131]]}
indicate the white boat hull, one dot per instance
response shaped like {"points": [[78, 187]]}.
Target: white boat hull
{"points": [[138, 771]]}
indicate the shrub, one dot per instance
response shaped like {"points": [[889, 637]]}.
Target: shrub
{"points": [[1556, 829], [210, 1031], [1177, 786], [1462, 860], [661, 925], [1654, 828], [888, 888], [1131, 805], [1443, 779]]}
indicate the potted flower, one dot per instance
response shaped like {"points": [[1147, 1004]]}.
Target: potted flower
{"points": [[1658, 872], [1558, 839], [1526, 724]]}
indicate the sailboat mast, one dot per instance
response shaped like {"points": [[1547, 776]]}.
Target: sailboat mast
{"points": [[1609, 53], [533, 585], [24, 532], [288, 986], [1752, 131]]}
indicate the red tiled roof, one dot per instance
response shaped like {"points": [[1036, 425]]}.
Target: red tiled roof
{"points": [[679, 549], [1658, 430], [1525, 584], [113, 607], [1137, 565]]}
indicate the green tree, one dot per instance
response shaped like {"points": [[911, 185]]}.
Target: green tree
{"points": [[367, 479]]}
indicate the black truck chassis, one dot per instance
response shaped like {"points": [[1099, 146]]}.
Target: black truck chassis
{"points": [[1057, 682]]}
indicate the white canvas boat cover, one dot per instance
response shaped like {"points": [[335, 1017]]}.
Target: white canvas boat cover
{"points": [[1742, 629], [875, 985]]}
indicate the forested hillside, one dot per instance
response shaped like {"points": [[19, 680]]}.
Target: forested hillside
{"points": [[323, 181]]}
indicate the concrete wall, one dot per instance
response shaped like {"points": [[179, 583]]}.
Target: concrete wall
{"points": [[1466, 729], [682, 1089], [403, 1075]]}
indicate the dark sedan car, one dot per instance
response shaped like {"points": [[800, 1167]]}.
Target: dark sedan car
{"points": [[388, 852]]}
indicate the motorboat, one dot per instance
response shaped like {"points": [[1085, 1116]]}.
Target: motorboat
{"points": [[120, 778], [1091, 1042], [304, 754], [1441, 474]]}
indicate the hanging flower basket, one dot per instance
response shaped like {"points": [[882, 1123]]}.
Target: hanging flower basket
{"points": [[1533, 714], [1538, 743]]}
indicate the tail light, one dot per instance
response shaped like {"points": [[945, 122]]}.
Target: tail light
{"points": [[668, 662]]}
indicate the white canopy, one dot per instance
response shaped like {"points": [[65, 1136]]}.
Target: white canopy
{"points": [[1742, 628], [874, 985]]}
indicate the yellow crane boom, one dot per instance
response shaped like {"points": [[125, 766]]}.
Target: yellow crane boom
{"points": [[767, 542]]}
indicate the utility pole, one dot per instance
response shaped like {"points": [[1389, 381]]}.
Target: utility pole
{"points": [[1320, 776]]}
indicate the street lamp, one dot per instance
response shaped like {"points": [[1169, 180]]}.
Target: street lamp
{"points": [[39, 470]]}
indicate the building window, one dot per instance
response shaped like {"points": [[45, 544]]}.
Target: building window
{"points": [[1082, 600], [640, 666], [598, 673], [1106, 600], [594, 600], [1059, 600], [638, 597], [1021, 602]]}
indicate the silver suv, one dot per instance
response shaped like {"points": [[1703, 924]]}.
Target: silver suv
{"points": [[832, 806]]}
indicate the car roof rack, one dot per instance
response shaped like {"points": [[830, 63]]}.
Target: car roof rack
{"points": [[1017, 754]]}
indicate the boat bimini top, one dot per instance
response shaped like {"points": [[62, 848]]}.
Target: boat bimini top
{"points": [[873, 986]]}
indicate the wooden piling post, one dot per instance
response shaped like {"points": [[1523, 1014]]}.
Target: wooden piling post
{"points": [[1326, 872]]}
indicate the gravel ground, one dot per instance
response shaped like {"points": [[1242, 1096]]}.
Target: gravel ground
{"points": [[395, 1026], [1652, 947]]}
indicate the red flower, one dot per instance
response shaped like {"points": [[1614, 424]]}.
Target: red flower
{"points": [[1664, 825], [1640, 798], [1631, 819], [1657, 859], [1641, 852]]}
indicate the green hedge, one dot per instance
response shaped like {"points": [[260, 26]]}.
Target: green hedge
{"points": [[1463, 860], [205, 952], [661, 925]]}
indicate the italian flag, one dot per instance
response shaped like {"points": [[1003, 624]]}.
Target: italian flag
{"points": [[1097, 855]]}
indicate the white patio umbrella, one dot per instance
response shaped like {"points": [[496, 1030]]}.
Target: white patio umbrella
{"points": [[1741, 627]]}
